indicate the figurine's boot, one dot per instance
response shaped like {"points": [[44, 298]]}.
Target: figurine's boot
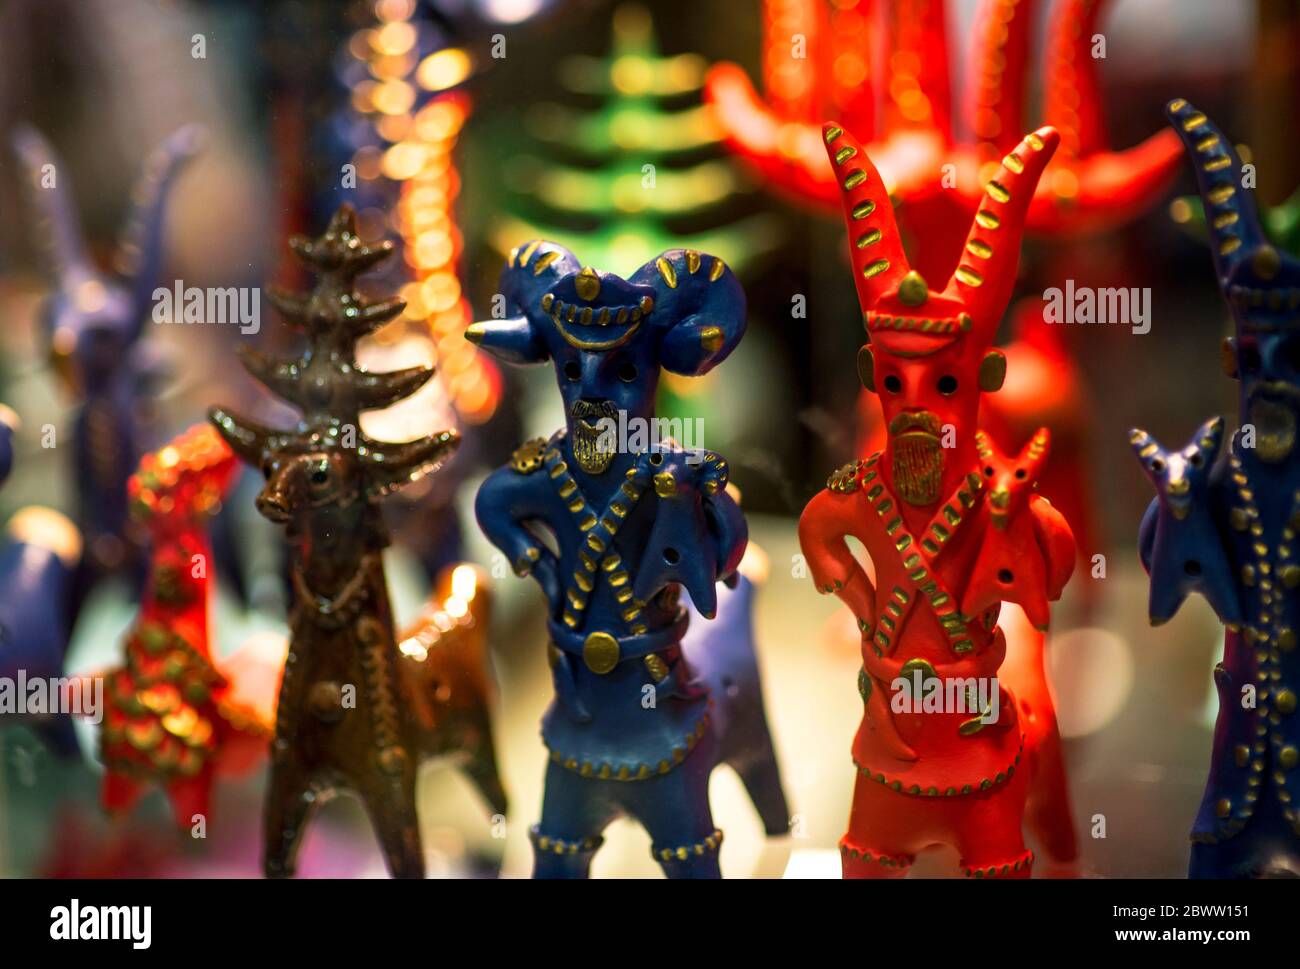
{"points": [[858, 862], [560, 858], [701, 865], [1266, 848]]}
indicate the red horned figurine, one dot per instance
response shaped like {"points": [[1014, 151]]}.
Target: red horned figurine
{"points": [[942, 749]]}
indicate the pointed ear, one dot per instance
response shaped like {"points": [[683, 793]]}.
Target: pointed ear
{"points": [[1037, 449], [700, 303], [389, 467], [140, 255], [246, 438]]}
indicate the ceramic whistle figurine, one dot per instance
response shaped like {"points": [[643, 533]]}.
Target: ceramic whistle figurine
{"points": [[92, 323], [353, 712], [170, 717], [1224, 524], [37, 563], [954, 771], [636, 725]]}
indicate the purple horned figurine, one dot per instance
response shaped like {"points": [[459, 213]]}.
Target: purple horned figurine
{"points": [[91, 323], [1224, 523], [636, 727]]}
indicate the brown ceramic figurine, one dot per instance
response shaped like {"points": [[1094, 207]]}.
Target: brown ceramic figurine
{"points": [[354, 713]]}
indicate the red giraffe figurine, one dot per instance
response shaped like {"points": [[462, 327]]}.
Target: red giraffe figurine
{"points": [[943, 772], [169, 719]]}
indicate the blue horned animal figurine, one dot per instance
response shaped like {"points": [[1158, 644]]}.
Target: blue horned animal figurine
{"points": [[39, 553], [1224, 524], [635, 727], [91, 323]]}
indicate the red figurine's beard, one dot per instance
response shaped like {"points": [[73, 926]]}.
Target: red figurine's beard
{"points": [[916, 457], [1272, 412]]}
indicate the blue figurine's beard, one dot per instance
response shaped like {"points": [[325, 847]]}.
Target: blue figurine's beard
{"points": [[1272, 412], [594, 447]]}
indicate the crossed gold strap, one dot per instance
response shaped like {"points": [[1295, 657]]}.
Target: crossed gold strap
{"points": [[596, 551], [918, 556]]}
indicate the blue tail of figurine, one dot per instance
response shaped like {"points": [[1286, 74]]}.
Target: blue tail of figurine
{"points": [[721, 652]]}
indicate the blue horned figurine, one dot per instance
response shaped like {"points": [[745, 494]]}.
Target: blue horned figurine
{"points": [[636, 727], [91, 324], [1224, 524]]}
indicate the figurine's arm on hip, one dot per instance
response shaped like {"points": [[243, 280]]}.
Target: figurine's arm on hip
{"points": [[505, 503], [823, 526]]}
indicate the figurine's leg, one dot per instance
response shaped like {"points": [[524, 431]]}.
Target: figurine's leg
{"points": [[390, 803], [988, 830], [877, 844], [284, 820], [762, 779], [575, 811], [1047, 811], [191, 797], [119, 792], [674, 810], [482, 765]]}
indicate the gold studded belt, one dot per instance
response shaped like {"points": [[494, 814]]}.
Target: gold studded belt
{"points": [[601, 651]]}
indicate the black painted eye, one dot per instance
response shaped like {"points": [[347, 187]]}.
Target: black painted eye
{"points": [[988, 471], [1196, 460], [1020, 474], [893, 384], [672, 556], [947, 385], [627, 372], [320, 474], [573, 370]]}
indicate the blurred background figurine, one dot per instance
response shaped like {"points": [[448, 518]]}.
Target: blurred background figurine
{"points": [[91, 324], [636, 725], [1224, 521], [171, 717]]}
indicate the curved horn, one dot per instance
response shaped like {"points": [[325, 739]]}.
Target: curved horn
{"points": [[530, 272], [1231, 216], [392, 466], [875, 247], [995, 102], [58, 226], [701, 302], [139, 254], [246, 438], [1073, 100], [986, 274]]}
